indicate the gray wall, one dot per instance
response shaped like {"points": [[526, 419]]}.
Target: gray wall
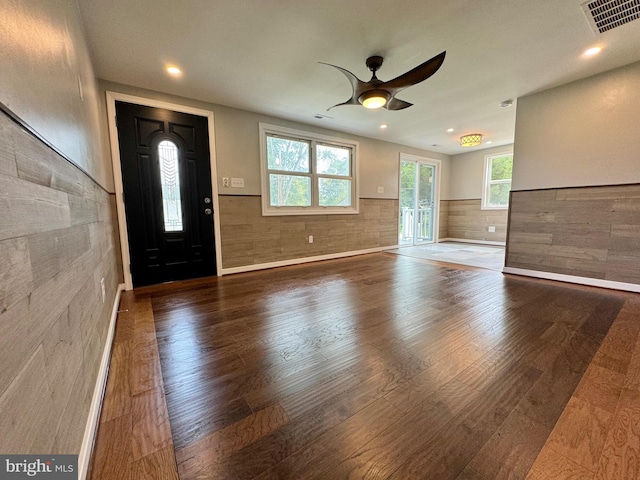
{"points": [[467, 220], [238, 155], [580, 134], [47, 79], [467, 173], [238, 146], [57, 231], [575, 206]]}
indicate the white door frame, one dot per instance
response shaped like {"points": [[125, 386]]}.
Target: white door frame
{"points": [[407, 157], [112, 97]]}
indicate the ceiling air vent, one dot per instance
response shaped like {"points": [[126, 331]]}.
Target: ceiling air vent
{"points": [[604, 15]]}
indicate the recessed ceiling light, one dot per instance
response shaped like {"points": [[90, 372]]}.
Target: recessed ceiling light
{"points": [[592, 51], [506, 104], [383, 126], [173, 70], [450, 130]]}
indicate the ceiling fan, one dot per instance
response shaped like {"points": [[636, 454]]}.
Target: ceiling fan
{"points": [[375, 93]]}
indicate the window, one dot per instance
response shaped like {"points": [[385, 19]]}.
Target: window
{"points": [[497, 181], [170, 181], [305, 173]]}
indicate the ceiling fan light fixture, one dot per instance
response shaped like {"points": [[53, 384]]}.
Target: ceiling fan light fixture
{"points": [[471, 140], [374, 99]]}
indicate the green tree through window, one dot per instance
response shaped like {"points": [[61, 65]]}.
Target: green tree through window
{"points": [[303, 174], [498, 173], [285, 155]]}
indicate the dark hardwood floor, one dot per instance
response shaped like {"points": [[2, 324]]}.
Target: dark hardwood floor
{"points": [[377, 366]]}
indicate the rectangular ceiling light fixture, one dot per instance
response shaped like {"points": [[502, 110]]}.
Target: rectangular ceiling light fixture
{"points": [[604, 15]]}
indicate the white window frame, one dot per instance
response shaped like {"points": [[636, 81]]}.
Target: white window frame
{"points": [[487, 182], [314, 139]]}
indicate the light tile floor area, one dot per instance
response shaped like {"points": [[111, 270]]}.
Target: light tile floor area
{"points": [[475, 255]]}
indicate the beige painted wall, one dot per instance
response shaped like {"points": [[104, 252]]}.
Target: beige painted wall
{"points": [[238, 149], [467, 172], [580, 134], [47, 79]]}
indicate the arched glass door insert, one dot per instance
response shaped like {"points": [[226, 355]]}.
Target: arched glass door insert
{"points": [[170, 183], [419, 199]]}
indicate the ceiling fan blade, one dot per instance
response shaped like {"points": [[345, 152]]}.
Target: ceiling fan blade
{"points": [[416, 75], [397, 104], [357, 84], [351, 101]]}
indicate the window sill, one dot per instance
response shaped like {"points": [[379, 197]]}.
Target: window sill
{"points": [[278, 212], [494, 208]]}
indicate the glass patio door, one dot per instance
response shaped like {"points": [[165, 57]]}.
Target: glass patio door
{"points": [[418, 200]]}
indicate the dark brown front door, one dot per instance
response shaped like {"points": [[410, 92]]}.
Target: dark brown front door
{"points": [[166, 176]]}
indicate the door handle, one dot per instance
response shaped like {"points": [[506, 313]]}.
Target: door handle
{"points": [[208, 211]]}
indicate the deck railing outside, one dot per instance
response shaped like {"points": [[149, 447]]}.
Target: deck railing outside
{"points": [[407, 224]]}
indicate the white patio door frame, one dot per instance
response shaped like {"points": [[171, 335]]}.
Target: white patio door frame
{"points": [[436, 164]]}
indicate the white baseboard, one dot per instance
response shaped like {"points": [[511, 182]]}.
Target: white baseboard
{"points": [[560, 277], [297, 261], [98, 392], [466, 240]]}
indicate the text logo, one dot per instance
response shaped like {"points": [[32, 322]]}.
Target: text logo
{"points": [[45, 467]]}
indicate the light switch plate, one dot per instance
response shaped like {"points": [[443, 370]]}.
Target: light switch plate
{"points": [[380, 189], [237, 182]]}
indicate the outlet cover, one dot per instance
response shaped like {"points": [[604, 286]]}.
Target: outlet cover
{"points": [[492, 229], [225, 181], [380, 189]]}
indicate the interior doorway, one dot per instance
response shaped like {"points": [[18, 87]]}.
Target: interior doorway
{"points": [[419, 200]]}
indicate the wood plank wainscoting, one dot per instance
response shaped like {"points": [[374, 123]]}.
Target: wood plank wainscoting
{"points": [[248, 238], [467, 220], [375, 366], [58, 240], [443, 220], [591, 232]]}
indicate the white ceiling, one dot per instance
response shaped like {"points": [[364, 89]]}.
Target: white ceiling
{"points": [[262, 55]]}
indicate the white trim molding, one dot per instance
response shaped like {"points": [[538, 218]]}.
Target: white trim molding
{"points": [[112, 97], [467, 240], [91, 427], [560, 277], [298, 261]]}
